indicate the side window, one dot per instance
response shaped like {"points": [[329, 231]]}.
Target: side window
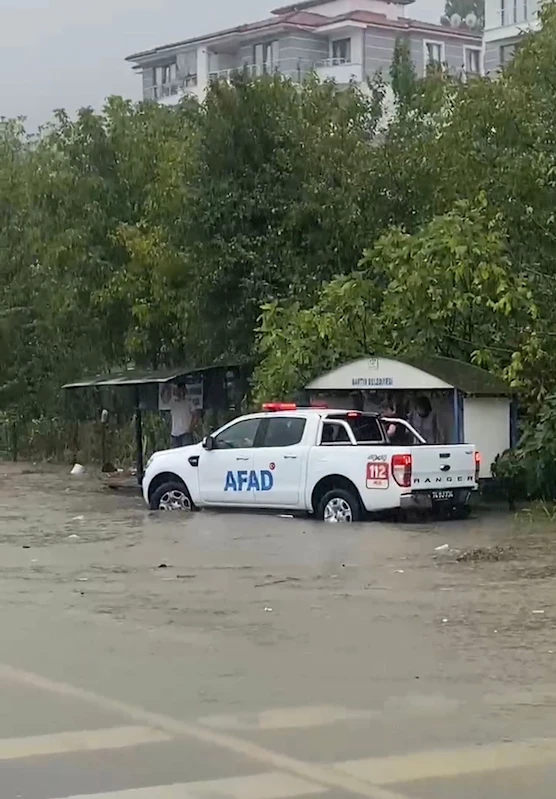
{"points": [[283, 431], [365, 429], [334, 433], [238, 436]]}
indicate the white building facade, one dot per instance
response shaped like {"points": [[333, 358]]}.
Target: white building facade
{"points": [[343, 40], [505, 23]]}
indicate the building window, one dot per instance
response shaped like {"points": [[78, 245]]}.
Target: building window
{"points": [[472, 61], [502, 12], [265, 57], [341, 51], [434, 54], [165, 74], [525, 11], [507, 52]]}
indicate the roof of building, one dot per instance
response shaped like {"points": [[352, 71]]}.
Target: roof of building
{"points": [[142, 377], [464, 376], [433, 372], [303, 4], [303, 20], [294, 17]]}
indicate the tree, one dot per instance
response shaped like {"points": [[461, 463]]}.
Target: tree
{"points": [[450, 289], [403, 75], [281, 198]]}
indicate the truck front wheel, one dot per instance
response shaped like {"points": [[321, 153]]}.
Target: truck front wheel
{"points": [[171, 496], [338, 506]]}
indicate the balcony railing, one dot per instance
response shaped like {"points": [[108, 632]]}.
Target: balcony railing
{"points": [[246, 70], [332, 62], [341, 70], [173, 88]]}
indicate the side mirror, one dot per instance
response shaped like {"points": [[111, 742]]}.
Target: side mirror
{"points": [[208, 443]]}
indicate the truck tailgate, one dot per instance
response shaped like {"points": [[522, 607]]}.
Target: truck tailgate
{"points": [[443, 466]]}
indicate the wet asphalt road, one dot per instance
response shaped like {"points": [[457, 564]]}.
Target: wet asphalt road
{"points": [[232, 655]]}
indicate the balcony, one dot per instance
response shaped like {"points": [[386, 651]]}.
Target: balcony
{"points": [[339, 70], [249, 71], [171, 93]]}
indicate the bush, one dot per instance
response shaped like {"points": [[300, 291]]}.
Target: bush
{"points": [[529, 471]]}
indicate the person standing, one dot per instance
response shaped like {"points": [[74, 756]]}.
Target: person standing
{"points": [[184, 417], [397, 433], [426, 422]]}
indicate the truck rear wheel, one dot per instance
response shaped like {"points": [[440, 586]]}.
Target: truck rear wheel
{"points": [[338, 506]]}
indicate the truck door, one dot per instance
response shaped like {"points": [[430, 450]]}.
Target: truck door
{"points": [[280, 462], [226, 472]]}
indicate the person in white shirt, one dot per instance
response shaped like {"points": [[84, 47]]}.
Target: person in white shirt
{"points": [[184, 417]]}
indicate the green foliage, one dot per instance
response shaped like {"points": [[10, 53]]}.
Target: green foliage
{"points": [[290, 224], [529, 472], [449, 288], [403, 74]]}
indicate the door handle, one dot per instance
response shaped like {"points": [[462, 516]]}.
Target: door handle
{"points": [[290, 457], [241, 459]]}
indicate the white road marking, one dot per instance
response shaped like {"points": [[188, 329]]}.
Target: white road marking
{"points": [[272, 785], [325, 775], [82, 741], [287, 718], [443, 763]]}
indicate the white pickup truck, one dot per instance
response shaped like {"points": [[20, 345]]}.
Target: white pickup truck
{"points": [[334, 464]]}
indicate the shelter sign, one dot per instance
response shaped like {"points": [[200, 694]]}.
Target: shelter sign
{"points": [[171, 393]]}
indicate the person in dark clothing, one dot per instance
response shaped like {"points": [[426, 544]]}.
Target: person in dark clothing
{"points": [[397, 433]]}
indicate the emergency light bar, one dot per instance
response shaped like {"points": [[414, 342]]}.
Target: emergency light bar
{"points": [[279, 406]]}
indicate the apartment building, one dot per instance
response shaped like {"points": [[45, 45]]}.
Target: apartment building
{"points": [[505, 22], [343, 40]]}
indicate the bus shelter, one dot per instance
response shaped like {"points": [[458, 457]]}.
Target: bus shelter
{"points": [[473, 405], [218, 388]]}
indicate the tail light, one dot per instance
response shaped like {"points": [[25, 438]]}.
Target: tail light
{"points": [[401, 470], [477, 466]]}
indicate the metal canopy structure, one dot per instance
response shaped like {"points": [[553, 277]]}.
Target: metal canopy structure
{"points": [[140, 378]]}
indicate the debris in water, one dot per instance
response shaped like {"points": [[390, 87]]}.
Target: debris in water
{"points": [[444, 621], [399, 571], [442, 548], [82, 579], [491, 554], [277, 582], [285, 515], [268, 610], [163, 566], [78, 519], [73, 537], [538, 612], [78, 470]]}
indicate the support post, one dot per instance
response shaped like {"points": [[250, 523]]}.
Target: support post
{"points": [[513, 423], [458, 417], [139, 437]]}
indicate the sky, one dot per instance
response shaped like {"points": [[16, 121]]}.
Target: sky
{"points": [[70, 53]]}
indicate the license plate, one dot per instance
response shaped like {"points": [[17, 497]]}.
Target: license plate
{"points": [[442, 495]]}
